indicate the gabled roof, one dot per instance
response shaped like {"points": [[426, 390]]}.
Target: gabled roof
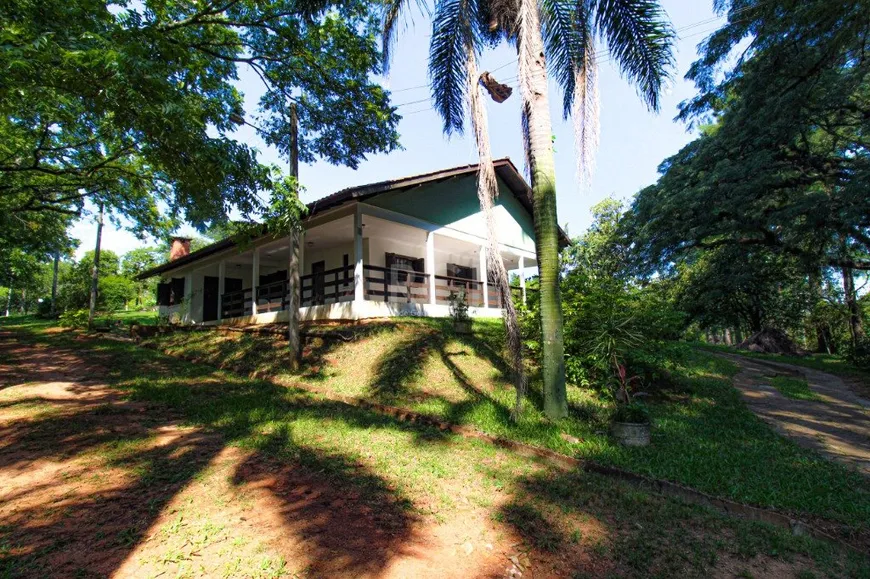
{"points": [[504, 168]]}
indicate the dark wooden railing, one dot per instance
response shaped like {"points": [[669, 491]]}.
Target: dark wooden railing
{"points": [[272, 297], [395, 285], [236, 304], [445, 285], [329, 287], [381, 284]]}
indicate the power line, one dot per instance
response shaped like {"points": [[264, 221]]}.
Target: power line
{"points": [[599, 55]]}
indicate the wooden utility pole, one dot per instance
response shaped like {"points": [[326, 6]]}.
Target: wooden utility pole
{"points": [[54, 284], [95, 271], [293, 265]]}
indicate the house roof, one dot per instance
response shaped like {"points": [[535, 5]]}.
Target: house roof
{"points": [[504, 168]]}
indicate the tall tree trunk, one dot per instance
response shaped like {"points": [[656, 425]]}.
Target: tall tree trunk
{"points": [[8, 300], [487, 191], [23, 306], [95, 272], [727, 336], [856, 327], [293, 265], [542, 169], [54, 284]]}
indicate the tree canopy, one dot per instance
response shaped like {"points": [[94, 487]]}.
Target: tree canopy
{"points": [[133, 105], [785, 162]]}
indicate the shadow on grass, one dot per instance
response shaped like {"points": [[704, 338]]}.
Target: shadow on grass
{"points": [[349, 519]]}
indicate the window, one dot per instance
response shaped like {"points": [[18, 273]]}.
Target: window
{"points": [[399, 265], [176, 291]]}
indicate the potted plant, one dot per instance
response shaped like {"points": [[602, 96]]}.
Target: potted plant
{"points": [[459, 312], [631, 421]]}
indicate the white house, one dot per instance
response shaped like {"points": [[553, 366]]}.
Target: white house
{"points": [[398, 247]]}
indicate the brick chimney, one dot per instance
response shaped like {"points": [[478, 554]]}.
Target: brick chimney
{"points": [[179, 248]]}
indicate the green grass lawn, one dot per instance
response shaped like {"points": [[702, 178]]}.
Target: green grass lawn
{"points": [[794, 388], [418, 473], [704, 436], [142, 317]]}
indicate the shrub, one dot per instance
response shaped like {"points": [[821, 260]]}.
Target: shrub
{"points": [[634, 412], [74, 319]]}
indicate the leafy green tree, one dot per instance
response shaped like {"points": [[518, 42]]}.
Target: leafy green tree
{"points": [[731, 287], [135, 262], [25, 280], [612, 321], [133, 105], [786, 162], [75, 286]]}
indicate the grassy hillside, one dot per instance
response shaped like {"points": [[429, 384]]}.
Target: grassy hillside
{"points": [[704, 436]]}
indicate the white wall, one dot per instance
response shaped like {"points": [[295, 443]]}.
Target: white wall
{"points": [[379, 247], [333, 256]]}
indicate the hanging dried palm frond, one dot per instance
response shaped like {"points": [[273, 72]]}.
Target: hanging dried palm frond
{"points": [[499, 92]]}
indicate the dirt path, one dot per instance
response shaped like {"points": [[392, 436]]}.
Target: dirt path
{"points": [[837, 425]]}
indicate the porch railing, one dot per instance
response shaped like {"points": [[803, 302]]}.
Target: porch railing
{"points": [[445, 285], [235, 304], [272, 297], [381, 284], [328, 287], [395, 285]]}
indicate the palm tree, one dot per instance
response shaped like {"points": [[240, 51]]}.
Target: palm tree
{"points": [[455, 42], [554, 38]]}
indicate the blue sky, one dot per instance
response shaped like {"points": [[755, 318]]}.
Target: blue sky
{"points": [[633, 140]]}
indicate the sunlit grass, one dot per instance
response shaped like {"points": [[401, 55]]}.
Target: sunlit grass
{"points": [[703, 435]]}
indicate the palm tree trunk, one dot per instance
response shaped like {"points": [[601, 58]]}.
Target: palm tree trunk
{"points": [[542, 169], [487, 191], [95, 272]]}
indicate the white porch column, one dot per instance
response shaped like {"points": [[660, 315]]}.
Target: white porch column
{"points": [[483, 277], [255, 280], [358, 277], [222, 276], [523, 277], [430, 264]]}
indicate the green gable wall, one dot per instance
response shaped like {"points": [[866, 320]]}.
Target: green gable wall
{"points": [[453, 203]]}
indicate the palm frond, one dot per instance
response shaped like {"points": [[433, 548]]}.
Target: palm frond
{"points": [[566, 28], [392, 11], [453, 37], [640, 39], [487, 191], [527, 144], [585, 112], [529, 21]]}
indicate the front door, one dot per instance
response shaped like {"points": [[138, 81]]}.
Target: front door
{"points": [[210, 290], [318, 279]]}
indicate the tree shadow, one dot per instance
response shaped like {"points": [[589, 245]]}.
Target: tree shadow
{"points": [[320, 341], [397, 369], [78, 526], [351, 521]]}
